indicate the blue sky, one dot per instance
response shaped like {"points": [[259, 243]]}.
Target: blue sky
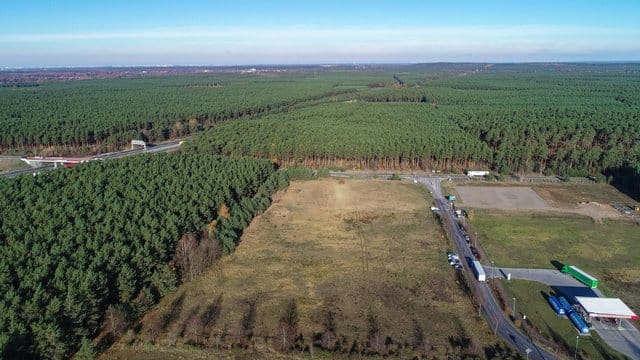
{"points": [[36, 33]]}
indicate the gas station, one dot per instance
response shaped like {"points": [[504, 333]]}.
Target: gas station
{"points": [[599, 308]]}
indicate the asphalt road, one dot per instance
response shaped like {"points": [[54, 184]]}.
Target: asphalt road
{"points": [[545, 276], [490, 308], [10, 174], [162, 147]]}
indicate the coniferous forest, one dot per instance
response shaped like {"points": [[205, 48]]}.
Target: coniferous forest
{"points": [[98, 244], [98, 241]]}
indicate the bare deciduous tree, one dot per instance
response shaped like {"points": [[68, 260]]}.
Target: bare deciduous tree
{"points": [[153, 328], [288, 326], [114, 322], [185, 252]]}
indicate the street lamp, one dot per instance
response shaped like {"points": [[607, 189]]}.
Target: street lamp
{"points": [[575, 354], [492, 268], [514, 309], [528, 351]]}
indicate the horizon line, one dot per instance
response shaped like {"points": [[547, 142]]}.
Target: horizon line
{"points": [[319, 64]]}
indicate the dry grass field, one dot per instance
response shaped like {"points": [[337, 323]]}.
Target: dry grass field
{"points": [[9, 165], [334, 267]]}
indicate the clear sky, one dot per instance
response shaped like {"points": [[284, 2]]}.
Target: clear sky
{"points": [[36, 33]]}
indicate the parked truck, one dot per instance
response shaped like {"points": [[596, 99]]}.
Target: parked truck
{"points": [[477, 173], [555, 304], [479, 271], [578, 322], [581, 276]]}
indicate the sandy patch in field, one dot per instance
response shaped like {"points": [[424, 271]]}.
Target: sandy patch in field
{"points": [[537, 198], [501, 197]]}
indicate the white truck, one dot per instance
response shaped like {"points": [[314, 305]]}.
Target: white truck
{"points": [[479, 271], [477, 173]]}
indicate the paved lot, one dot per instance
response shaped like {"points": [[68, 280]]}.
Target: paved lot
{"points": [[624, 339], [515, 197]]}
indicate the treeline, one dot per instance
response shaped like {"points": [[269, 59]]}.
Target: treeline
{"points": [[98, 244], [387, 136], [112, 112], [383, 94]]}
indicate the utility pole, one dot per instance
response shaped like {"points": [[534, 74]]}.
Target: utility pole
{"points": [[492, 268], [514, 309], [575, 354]]}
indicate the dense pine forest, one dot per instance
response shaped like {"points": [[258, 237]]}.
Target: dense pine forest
{"points": [[112, 112], [388, 136], [583, 123], [99, 244]]}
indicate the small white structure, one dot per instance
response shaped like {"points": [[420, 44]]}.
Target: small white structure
{"points": [[477, 173], [135, 143]]}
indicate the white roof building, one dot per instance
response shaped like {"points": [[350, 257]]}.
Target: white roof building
{"points": [[605, 307]]}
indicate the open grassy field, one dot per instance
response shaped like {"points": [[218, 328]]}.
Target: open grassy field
{"points": [[532, 303], [334, 267], [10, 165], [567, 195], [609, 250]]}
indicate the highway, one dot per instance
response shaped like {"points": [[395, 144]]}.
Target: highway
{"points": [[159, 148], [9, 157], [10, 174], [490, 308]]}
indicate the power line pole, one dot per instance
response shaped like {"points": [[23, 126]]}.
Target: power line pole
{"points": [[492, 268]]}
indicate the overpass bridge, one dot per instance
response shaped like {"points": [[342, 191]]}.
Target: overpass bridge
{"points": [[39, 161]]}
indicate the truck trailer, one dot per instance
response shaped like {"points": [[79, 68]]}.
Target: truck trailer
{"points": [[479, 271], [477, 173], [581, 276], [555, 304]]}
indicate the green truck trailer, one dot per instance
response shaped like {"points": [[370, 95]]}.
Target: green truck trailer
{"points": [[581, 276]]}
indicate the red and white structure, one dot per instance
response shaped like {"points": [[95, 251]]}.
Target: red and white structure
{"points": [[37, 161], [609, 308]]}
